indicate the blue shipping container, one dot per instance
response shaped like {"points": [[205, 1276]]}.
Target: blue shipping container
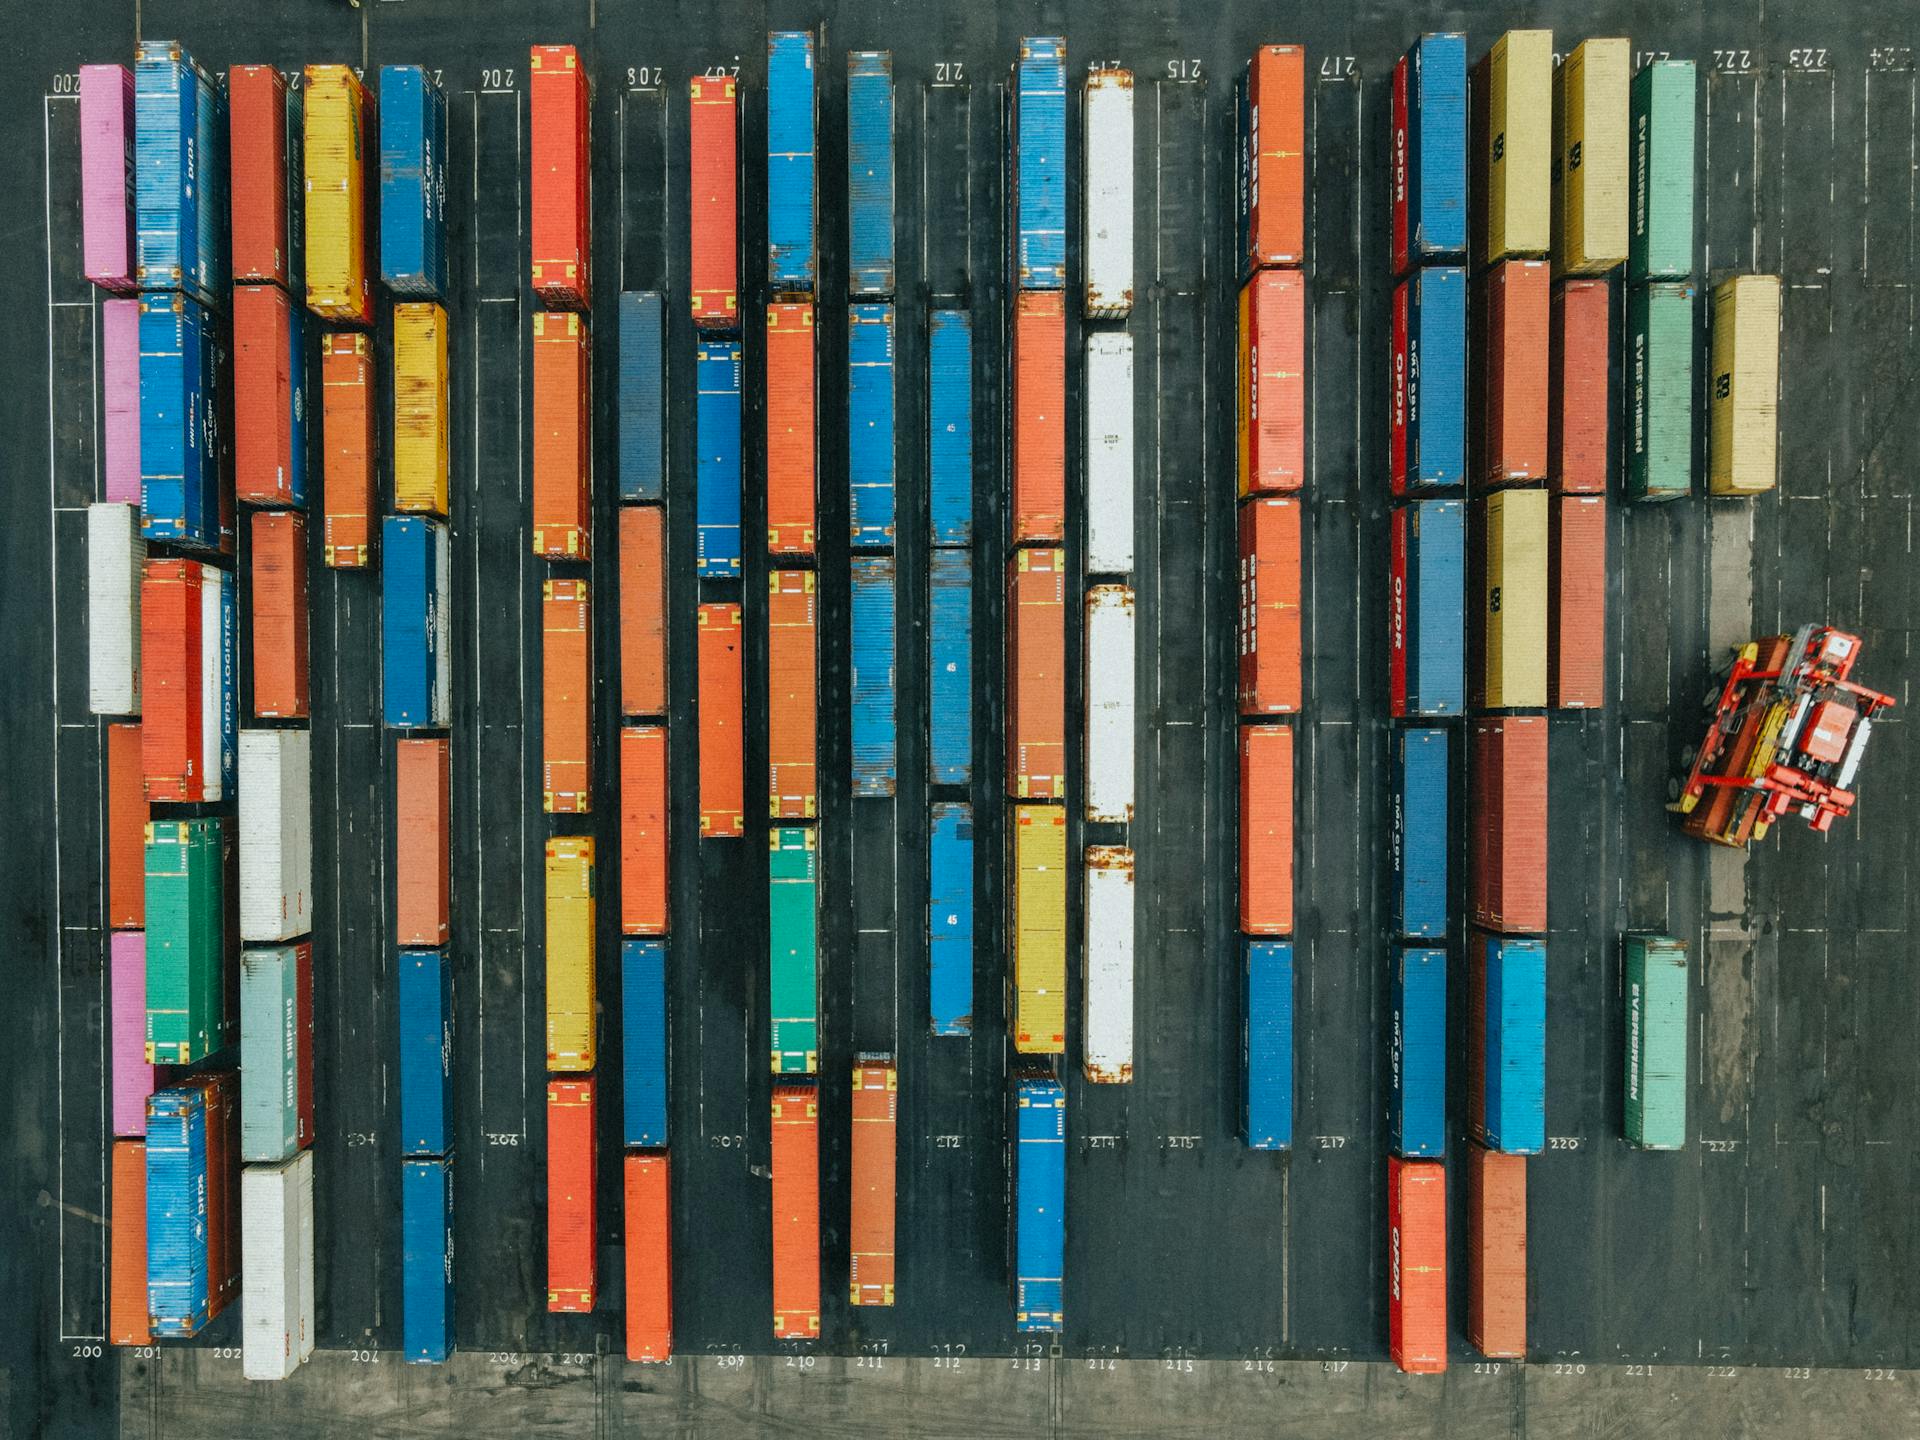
{"points": [[301, 403], [643, 1040], [1040, 1206], [717, 478], [177, 1212], [426, 1260], [1436, 607], [870, 425], [1437, 376], [1267, 1117], [1417, 1108], [950, 667], [413, 183], [873, 708], [1040, 163], [1511, 981], [870, 172], [180, 169], [415, 595], [950, 426], [642, 396], [950, 919], [1437, 147], [181, 443], [1420, 832], [790, 126], [426, 1053]]}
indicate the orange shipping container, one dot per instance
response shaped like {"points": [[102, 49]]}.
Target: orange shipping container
{"points": [[1507, 823], [279, 565], [1277, 156], [713, 122], [870, 1232], [649, 1216], [1040, 418], [562, 450], [560, 105], [1577, 386], [1517, 309], [346, 385], [1417, 1264], [722, 781], [1271, 396], [796, 1213], [790, 422], [566, 695], [643, 830], [423, 795], [643, 610], [127, 1322], [1577, 602], [264, 395], [1266, 829], [571, 1217], [127, 815], [1037, 675], [792, 646], [1270, 606], [1496, 1252]]}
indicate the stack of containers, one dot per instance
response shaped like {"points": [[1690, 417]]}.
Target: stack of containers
{"points": [[1426, 664], [1036, 679], [1271, 466], [1659, 359]]}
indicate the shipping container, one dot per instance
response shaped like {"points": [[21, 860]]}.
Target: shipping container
{"points": [[562, 438], [127, 1322], [1428, 393], [116, 559], [1039, 419], [572, 1011], [1039, 929], [642, 395], [722, 765], [266, 124], [413, 181], [649, 1258], [1420, 832], [420, 408], [276, 1246], [193, 1202], [187, 955], [1743, 407], [950, 667], [1266, 1045], [643, 829], [1040, 163], [572, 1179], [643, 610], [791, 502], [1108, 193], [870, 1229], [425, 1012], [1507, 823], [108, 256], [126, 838], [872, 661], [416, 596], [1656, 1023], [950, 426], [1429, 151], [180, 174], [1417, 1104], [276, 1051], [1110, 703], [1106, 1014], [1577, 602], [950, 919], [792, 664], [717, 466], [796, 1212], [276, 834], [1109, 380], [1512, 546], [1497, 1253], [269, 398], [184, 440], [1514, 146], [560, 105], [1417, 1265], [714, 133], [793, 957], [346, 388], [1579, 394], [1661, 104], [1506, 1042], [1514, 442], [566, 698], [1272, 110], [1269, 649], [1266, 829], [869, 172], [190, 734], [1270, 394], [791, 113], [1659, 367], [1039, 1205], [338, 155], [1590, 157], [134, 1076], [426, 1260], [1036, 675], [422, 860], [643, 1042], [278, 561], [870, 449], [120, 400]]}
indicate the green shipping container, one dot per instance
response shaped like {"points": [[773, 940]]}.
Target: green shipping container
{"points": [[186, 940], [1660, 228], [269, 1054], [793, 965], [1660, 362], [1656, 995]]}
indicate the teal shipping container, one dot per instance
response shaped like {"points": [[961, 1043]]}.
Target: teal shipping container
{"points": [[1656, 1015]]}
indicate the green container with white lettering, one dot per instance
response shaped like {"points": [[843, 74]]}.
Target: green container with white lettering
{"points": [[792, 953], [1659, 365], [1656, 1016], [1660, 222], [186, 940]]}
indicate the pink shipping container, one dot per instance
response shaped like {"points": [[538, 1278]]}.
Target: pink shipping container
{"points": [[120, 379], [133, 1077], [106, 175]]}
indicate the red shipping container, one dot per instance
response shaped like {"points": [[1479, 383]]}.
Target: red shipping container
{"points": [[871, 1223], [127, 1316], [1577, 602], [422, 875], [722, 781], [566, 695], [170, 681], [1037, 675], [792, 695], [561, 111], [1040, 418], [1266, 829], [346, 387], [263, 384], [1399, 157], [1507, 823], [279, 600], [1271, 397], [1496, 1252], [643, 830], [649, 1217], [1399, 382], [127, 815], [790, 430], [643, 610], [257, 172], [1270, 606], [571, 1218], [1276, 159], [796, 1213], [562, 446], [1517, 308], [1417, 1264], [714, 122], [1578, 381]]}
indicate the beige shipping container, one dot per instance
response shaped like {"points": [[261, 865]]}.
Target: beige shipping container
{"points": [[1743, 388], [1590, 198], [1519, 145], [1513, 601]]}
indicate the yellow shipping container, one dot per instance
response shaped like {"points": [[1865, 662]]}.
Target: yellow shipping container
{"points": [[570, 968], [1040, 929], [1519, 145], [420, 408], [1513, 608], [1743, 396], [335, 132], [1590, 198]]}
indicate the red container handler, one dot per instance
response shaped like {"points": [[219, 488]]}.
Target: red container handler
{"points": [[1271, 398], [257, 175], [796, 1212], [722, 772], [1276, 158], [649, 1217], [278, 561], [170, 681], [714, 125], [1578, 387], [1266, 829], [571, 1218], [263, 385], [1507, 823], [1270, 606], [1577, 602], [1496, 1252], [1517, 306], [1417, 1265], [1040, 418], [561, 205]]}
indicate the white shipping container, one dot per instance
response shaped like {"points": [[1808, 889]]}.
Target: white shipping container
{"points": [[1108, 992], [1109, 193], [443, 625], [276, 834], [214, 678], [1110, 707], [115, 554], [1109, 454], [276, 1266]]}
